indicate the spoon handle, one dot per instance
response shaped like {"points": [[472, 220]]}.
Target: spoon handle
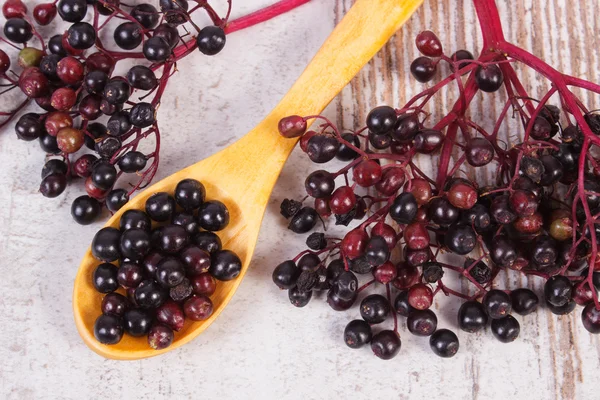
{"points": [[261, 154], [363, 31]]}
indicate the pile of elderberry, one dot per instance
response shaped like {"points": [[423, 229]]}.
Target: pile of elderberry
{"points": [[539, 217], [93, 119], [168, 261]]}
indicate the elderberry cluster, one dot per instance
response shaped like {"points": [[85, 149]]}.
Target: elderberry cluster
{"points": [[86, 105], [534, 219], [169, 261]]}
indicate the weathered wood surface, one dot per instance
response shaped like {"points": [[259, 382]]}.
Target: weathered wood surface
{"points": [[262, 347], [560, 359]]}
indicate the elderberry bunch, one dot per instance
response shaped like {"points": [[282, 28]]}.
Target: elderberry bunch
{"points": [[92, 120], [539, 216]]}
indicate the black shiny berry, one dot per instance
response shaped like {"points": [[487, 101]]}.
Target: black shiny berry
{"points": [[142, 115], [137, 322], [104, 175], [55, 46], [472, 316], [401, 304], [105, 245], [142, 77], [503, 251], [319, 184], [460, 239], [53, 185], [132, 161], [130, 275], [187, 221], [421, 322], [117, 91], [17, 30], [299, 298], [85, 210], [213, 216], [506, 329], [104, 278], [309, 262], [406, 127], [135, 244], [544, 251], [377, 251], [225, 265], [108, 329], [404, 208], [48, 143], [95, 81], [386, 344], [423, 69], [118, 124], [381, 119], [211, 40], [114, 303], [322, 148], [146, 14], [149, 294], [54, 166], [346, 153], [30, 127], [334, 269], [128, 35], [558, 290], [135, 219], [304, 220], [357, 334], [208, 241], [345, 285], [48, 65], [477, 216], [374, 309], [168, 33], [175, 11], [94, 131], [286, 274], [156, 49], [497, 304], [565, 309], [524, 301], [190, 194], [72, 10], [590, 317], [172, 239], [338, 303], [442, 212], [489, 78], [160, 207], [81, 36], [444, 343]]}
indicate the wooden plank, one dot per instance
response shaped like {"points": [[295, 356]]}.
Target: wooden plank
{"points": [[565, 35]]}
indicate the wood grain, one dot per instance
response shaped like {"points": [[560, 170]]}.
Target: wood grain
{"points": [[565, 34]]}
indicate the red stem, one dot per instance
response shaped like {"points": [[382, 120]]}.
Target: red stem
{"points": [[263, 15]]}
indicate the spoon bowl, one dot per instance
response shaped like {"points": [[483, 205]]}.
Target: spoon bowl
{"points": [[243, 175]]}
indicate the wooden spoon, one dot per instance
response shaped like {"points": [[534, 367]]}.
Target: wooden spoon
{"points": [[243, 175]]}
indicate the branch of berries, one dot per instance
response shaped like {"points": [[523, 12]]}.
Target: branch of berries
{"points": [[71, 77], [539, 218]]}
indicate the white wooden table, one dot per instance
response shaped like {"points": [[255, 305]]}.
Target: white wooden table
{"points": [[262, 347]]}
